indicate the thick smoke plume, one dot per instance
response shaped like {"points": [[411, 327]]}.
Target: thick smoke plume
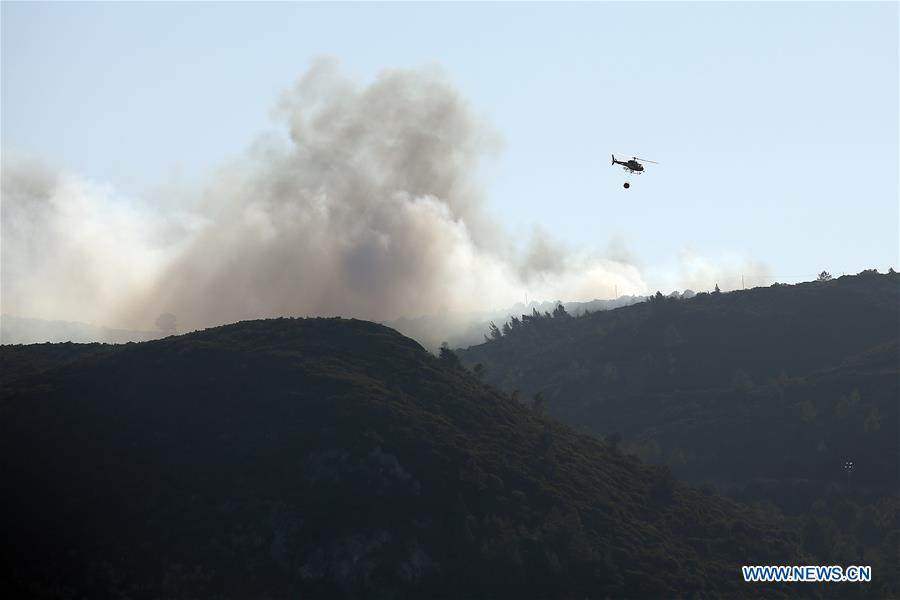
{"points": [[371, 209], [73, 249]]}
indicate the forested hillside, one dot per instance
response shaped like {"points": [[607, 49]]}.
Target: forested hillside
{"points": [[335, 458], [786, 396]]}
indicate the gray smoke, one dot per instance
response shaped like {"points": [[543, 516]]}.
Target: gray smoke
{"points": [[72, 249], [370, 207], [729, 273]]}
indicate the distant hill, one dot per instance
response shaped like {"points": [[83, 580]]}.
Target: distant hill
{"points": [[334, 458], [767, 393], [467, 329], [19, 330], [457, 329]]}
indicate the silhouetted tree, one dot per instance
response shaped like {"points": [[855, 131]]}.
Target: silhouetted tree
{"points": [[506, 329], [560, 311], [538, 403], [449, 356], [717, 290], [824, 276], [495, 331]]}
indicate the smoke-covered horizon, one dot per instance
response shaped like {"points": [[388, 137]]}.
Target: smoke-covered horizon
{"points": [[371, 208]]}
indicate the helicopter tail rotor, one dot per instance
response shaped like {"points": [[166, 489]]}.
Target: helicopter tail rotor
{"points": [[613, 159]]}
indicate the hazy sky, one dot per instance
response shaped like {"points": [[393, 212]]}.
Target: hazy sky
{"points": [[776, 124]]}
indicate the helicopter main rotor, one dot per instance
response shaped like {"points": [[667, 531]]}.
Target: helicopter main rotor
{"points": [[641, 159]]}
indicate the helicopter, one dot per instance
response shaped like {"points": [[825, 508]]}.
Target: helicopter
{"points": [[632, 166]]}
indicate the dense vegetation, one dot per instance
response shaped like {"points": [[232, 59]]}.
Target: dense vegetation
{"points": [[768, 394], [335, 458]]}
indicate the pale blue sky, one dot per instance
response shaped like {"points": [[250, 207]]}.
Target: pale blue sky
{"points": [[776, 124]]}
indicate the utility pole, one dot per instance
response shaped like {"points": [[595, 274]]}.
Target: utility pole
{"points": [[742, 282]]}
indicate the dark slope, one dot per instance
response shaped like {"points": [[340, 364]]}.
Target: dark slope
{"points": [[649, 365], [766, 393], [698, 343], [336, 458], [18, 361]]}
